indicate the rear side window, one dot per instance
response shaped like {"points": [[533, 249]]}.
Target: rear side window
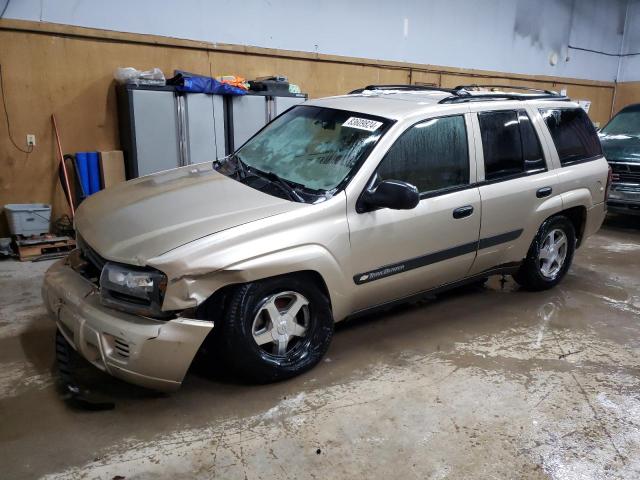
{"points": [[531, 149], [573, 134], [432, 155], [510, 144]]}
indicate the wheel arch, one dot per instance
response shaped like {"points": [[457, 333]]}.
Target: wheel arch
{"points": [[311, 262], [578, 217], [575, 205]]}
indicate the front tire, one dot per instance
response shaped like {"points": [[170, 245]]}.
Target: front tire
{"points": [[549, 256], [276, 328]]}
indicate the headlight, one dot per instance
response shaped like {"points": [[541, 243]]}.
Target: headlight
{"points": [[133, 289], [135, 283]]}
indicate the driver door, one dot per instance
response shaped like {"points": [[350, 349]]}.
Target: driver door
{"points": [[397, 253]]}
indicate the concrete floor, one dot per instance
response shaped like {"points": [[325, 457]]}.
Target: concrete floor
{"points": [[481, 383]]}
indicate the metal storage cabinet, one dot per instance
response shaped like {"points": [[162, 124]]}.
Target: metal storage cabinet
{"points": [[150, 143], [204, 118], [283, 104], [249, 113], [162, 129]]}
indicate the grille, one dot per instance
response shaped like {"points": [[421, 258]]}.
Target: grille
{"points": [[91, 256], [94, 262], [121, 347], [626, 172]]}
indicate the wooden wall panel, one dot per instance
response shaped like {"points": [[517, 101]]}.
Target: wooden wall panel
{"points": [[318, 79], [626, 94], [69, 71], [426, 78], [73, 79]]}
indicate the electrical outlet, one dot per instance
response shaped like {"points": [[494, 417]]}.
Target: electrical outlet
{"points": [[31, 140]]}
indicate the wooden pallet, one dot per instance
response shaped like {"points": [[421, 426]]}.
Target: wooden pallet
{"points": [[43, 247]]}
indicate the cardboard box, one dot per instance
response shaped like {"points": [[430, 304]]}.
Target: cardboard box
{"points": [[112, 168]]}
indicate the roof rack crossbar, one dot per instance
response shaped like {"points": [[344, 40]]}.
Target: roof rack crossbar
{"points": [[407, 87], [502, 96]]}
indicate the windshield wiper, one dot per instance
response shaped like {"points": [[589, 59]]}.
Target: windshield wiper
{"points": [[243, 171], [240, 168], [291, 192]]}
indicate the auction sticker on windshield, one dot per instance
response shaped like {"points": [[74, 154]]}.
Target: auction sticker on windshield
{"points": [[362, 124]]}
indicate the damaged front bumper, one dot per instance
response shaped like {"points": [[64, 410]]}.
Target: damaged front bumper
{"points": [[148, 352]]}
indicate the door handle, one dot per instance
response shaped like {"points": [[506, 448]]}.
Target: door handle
{"points": [[544, 192], [462, 212]]}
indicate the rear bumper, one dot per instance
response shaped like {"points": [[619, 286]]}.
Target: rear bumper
{"points": [[151, 353], [624, 198], [595, 218]]}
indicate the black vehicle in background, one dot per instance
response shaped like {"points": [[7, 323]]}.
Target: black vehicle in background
{"points": [[620, 140]]}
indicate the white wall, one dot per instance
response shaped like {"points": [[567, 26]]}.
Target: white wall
{"points": [[630, 65], [504, 35]]}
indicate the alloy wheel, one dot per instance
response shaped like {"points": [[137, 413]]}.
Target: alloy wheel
{"points": [[281, 323], [552, 253]]}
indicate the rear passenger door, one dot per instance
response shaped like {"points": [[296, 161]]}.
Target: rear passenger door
{"points": [[579, 154], [517, 185]]}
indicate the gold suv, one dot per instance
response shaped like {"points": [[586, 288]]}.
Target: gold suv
{"points": [[338, 207]]}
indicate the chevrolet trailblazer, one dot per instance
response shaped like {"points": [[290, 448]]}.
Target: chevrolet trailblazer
{"points": [[337, 207]]}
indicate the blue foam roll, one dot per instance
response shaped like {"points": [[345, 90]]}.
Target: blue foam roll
{"points": [[82, 167], [94, 172]]}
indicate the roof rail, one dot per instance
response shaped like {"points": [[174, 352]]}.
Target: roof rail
{"points": [[404, 87], [502, 96], [462, 93], [477, 87]]}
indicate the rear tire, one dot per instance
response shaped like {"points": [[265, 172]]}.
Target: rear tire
{"points": [[549, 256], [276, 328]]}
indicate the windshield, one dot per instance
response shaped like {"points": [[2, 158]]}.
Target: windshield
{"points": [[625, 122], [315, 148]]}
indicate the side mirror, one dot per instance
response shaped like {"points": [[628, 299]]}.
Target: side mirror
{"points": [[393, 194]]}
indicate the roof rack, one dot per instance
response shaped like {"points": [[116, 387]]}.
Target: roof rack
{"points": [[503, 96], [536, 94], [477, 87], [403, 87], [462, 93]]}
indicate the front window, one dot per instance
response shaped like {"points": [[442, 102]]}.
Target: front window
{"points": [[313, 150], [627, 122], [432, 155]]}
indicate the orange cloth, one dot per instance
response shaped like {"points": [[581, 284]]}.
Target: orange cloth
{"points": [[235, 80]]}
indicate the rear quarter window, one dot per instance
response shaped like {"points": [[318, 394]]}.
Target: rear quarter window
{"points": [[573, 134]]}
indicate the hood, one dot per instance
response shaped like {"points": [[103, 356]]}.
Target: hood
{"points": [[620, 147], [149, 216]]}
